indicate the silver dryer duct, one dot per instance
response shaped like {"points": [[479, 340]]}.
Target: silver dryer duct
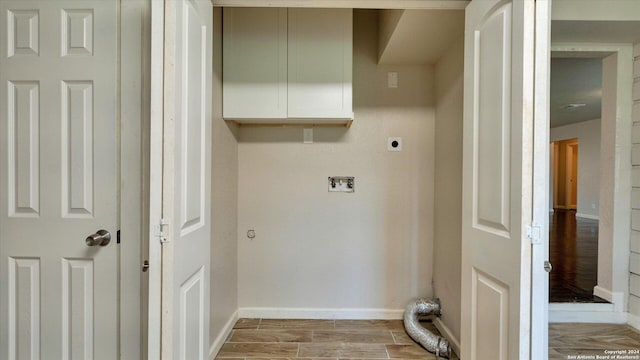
{"points": [[433, 343]]}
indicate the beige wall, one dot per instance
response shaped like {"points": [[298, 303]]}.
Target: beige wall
{"points": [[361, 254], [588, 135], [224, 299], [448, 184]]}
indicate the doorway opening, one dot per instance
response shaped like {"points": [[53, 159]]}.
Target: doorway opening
{"points": [[565, 171], [575, 121]]}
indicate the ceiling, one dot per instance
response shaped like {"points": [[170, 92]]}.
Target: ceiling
{"points": [[575, 81]]}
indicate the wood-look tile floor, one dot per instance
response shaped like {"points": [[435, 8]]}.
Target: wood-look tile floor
{"points": [[263, 339], [573, 251], [590, 339], [266, 339]]}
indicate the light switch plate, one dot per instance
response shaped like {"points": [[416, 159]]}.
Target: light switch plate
{"points": [[392, 79]]}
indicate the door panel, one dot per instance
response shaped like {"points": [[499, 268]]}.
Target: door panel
{"points": [[497, 188], [23, 115], [186, 191], [492, 121], [58, 183]]}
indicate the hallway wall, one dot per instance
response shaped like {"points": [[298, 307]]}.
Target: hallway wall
{"points": [[321, 254], [588, 134]]}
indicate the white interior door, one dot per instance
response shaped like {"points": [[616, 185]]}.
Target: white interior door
{"points": [[497, 180], [186, 200], [58, 183]]}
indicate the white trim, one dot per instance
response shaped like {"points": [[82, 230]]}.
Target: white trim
{"points": [[448, 334], [587, 216], [320, 313], [581, 307], [156, 86], [633, 321], [615, 298], [216, 345], [355, 4], [541, 173], [603, 293], [585, 313]]}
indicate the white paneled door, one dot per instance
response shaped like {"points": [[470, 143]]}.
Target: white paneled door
{"points": [[58, 179], [498, 180], [186, 187]]}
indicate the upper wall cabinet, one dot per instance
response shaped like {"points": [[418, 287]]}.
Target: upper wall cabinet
{"points": [[254, 63], [287, 65]]}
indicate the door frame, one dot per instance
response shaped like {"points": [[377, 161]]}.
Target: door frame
{"points": [[620, 216], [540, 214], [133, 135], [156, 116]]}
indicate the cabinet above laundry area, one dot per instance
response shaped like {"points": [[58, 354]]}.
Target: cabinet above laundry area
{"points": [[287, 66]]}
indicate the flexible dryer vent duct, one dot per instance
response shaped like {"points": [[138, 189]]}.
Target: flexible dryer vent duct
{"points": [[433, 343]]}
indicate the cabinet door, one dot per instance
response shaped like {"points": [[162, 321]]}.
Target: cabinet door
{"points": [[255, 63], [320, 63]]}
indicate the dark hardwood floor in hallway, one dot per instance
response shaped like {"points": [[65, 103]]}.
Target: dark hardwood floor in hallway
{"points": [[573, 252]]}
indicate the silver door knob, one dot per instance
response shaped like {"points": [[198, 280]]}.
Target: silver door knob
{"points": [[547, 266], [101, 237]]}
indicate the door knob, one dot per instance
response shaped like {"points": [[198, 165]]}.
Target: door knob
{"points": [[101, 237], [547, 266]]}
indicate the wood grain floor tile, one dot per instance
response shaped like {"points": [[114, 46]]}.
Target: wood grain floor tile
{"points": [[259, 350], [305, 324], [353, 336], [271, 335], [343, 350], [590, 339], [277, 358], [402, 338], [247, 324], [408, 352], [370, 324], [384, 339]]}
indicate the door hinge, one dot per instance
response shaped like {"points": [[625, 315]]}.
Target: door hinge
{"points": [[534, 232], [162, 234]]}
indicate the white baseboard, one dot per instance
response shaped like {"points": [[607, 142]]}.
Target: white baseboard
{"points": [[616, 298], [585, 313], [446, 332], [321, 313], [603, 293], [633, 320], [222, 336], [587, 216]]}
